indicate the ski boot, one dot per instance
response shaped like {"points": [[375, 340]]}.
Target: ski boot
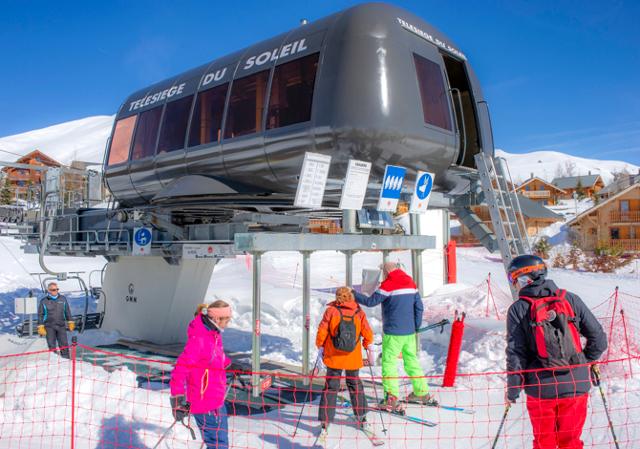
{"points": [[391, 404], [426, 399]]}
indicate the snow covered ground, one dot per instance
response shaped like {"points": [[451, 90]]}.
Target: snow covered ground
{"points": [[117, 410]]}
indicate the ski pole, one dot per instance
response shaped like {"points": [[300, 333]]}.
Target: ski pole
{"points": [[440, 324], [315, 365], [504, 418], [375, 392], [166, 432], [596, 379]]}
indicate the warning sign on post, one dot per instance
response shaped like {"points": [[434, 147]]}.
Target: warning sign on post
{"points": [[313, 180], [355, 185], [141, 241], [391, 188], [205, 251], [421, 192]]}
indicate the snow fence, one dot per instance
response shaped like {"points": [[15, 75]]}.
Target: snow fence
{"points": [[101, 399]]}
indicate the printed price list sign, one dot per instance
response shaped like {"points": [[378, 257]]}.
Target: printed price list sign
{"points": [[313, 179]]}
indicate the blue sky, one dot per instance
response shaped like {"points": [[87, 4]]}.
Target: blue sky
{"points": [[561, 74]]}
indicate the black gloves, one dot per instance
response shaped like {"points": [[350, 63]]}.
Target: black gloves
{"points": [[179, 407]]}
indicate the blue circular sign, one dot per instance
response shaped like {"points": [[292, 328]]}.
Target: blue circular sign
{"points": [[142, 237], [424, 186]]}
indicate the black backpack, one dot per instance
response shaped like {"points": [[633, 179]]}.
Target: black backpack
{"points": [[553, 325], [346, 337]]}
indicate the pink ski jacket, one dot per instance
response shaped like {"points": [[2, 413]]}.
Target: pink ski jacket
{"points": [[200, 370]]}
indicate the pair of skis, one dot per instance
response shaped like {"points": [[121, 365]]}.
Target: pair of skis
{"points": [[445, 407]]}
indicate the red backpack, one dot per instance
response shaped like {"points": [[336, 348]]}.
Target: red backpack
{"points": [[553, 323]]}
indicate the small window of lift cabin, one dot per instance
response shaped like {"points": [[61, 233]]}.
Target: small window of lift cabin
{"points": [[144, 142], [433, 93], [206, 123], [174, 125], [121, 141], [292, 92], [246, 106], [466, 118]]}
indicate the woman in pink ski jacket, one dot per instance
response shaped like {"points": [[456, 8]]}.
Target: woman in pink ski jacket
{"points": [[198, 382]]}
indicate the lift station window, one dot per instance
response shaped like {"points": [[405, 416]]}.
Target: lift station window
{"points": [[206, 124], [174, 125], [121, 141], [246, 105], [292, 92], [435, 106], [144, 142]]}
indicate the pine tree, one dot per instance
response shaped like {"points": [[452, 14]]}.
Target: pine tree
{"points": [[6, 194], [580, 190]]}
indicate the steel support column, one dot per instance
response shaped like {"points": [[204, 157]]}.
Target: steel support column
{"points": [[306, 307], [416, 255], [348, 268], [255, 346]]}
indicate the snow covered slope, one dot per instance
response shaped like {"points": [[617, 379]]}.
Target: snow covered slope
{"points": [[83, 139], [545, 164]]}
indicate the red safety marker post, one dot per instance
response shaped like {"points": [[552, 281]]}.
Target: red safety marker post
{"points": [[455, 344], [450, 254]]}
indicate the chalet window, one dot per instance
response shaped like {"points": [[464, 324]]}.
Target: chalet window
{"points": [[144, 142], [292, 92], [433, 93], [246, 105], [615, 233], [121, 141], [206, 124], [624, 205], [174, 125]]}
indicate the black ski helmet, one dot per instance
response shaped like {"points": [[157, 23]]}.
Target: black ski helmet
{"points": [[526, 265]]}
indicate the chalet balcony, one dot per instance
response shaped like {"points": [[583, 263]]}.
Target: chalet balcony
{"points": [[626, 244], [632, 216], [19, 177], [536, 194]]}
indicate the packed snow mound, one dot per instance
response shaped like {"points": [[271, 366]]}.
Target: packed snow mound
{"points": [[476, 301], [545, 165], [83, 140]]}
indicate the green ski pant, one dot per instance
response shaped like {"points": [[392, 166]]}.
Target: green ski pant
{"points": [[392, 347]]}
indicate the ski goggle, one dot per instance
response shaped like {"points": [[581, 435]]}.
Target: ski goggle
{"points": [[515, 274]]}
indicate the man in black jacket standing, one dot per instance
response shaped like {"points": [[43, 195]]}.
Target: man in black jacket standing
{"points": [[54, 316], [543, 334]]}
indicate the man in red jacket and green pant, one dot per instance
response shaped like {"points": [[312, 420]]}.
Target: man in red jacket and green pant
{"points": [[401, 317]]}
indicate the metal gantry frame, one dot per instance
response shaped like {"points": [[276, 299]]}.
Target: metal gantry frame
{"points": [[260, 243]]}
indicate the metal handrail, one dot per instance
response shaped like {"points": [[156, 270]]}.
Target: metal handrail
{"points": [[514, 199]]}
